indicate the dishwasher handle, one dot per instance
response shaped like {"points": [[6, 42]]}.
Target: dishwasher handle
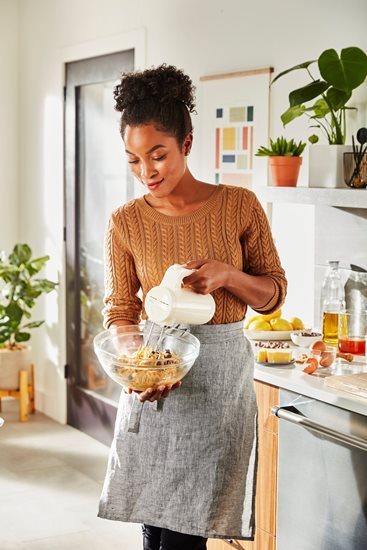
{"points": [[293, 415]]}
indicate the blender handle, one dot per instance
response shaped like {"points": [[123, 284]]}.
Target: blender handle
{"points": [[174, 275], [185, 273]]}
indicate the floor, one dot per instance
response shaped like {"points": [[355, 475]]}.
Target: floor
{"points": [[51, 477]]}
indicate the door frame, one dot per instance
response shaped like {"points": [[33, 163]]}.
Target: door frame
{"points": [[135, 40]]}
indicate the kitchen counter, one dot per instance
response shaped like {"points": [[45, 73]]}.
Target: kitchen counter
{"points": [[294, 379]]}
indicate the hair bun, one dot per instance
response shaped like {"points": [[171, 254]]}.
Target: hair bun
{"points": [[164, 83]]}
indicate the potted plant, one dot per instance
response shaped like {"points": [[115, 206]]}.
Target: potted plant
{"points": [[20, 287], [324, 100], [284, 159]]}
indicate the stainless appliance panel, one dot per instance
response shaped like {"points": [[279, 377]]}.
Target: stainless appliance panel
{"points": [[322, 478]]}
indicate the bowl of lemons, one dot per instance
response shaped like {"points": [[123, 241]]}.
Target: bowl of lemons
{"points": [[272, 326]]}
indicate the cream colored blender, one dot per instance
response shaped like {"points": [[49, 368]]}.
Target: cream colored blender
{"points": [[170, 303]]}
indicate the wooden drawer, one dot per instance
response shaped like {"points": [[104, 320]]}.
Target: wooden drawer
{"points": [[266, 492], [221, 544], [263, 541], [267, 397]]}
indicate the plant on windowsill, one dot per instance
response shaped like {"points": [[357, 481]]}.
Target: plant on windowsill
{"points": [[20, 288], [284, 159], [324, 100]]}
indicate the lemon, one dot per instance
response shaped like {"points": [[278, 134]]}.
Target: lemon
{"points": [[259, 325], [274, 315], [297, 323], [280, 324], [251, 320]]}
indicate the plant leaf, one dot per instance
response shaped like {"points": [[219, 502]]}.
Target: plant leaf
{"points": [[308, 92], [36, 265], [44, 285], [4, 334], [6, 270], [345, 72], [20, 255], [14, 312], [33, 324], [320, 108], [22, 336], [313, 139], [291, 113], [337, 98], [282, 148], [304, 65]]}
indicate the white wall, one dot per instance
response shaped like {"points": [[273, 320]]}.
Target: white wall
{"points": [[205, 37], [9, 123]]}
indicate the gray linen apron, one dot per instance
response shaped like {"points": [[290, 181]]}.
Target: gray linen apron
{"points": [[188, 462]]}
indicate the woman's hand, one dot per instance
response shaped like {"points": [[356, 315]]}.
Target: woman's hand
{"points": [[254, 290], [153, 394], [209, 275]]}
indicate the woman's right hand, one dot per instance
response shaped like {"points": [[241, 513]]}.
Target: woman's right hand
{"points": [[153, 394]]}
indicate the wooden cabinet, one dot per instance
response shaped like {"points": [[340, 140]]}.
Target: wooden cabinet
{"points": [[266, 492]]}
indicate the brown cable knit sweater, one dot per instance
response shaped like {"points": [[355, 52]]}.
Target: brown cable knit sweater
{"points": [[141, 243]]}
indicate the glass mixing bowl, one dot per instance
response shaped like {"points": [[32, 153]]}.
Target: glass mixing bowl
{"points": [[128, 358]]}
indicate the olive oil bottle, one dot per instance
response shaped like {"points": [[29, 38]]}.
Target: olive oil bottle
{"points": [[332, 303]]}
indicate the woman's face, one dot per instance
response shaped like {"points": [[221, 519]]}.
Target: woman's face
{"points": [[155, 158]]}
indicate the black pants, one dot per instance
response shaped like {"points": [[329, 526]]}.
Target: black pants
{"points": [[156, 538]]}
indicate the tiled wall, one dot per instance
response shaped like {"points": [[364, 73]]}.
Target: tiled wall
{"points": [[340, 234]]}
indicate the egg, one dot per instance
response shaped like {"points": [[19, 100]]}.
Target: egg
{"points": [[319, 345], [311, 365], [326, 359]]}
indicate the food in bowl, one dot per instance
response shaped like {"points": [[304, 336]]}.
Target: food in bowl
{"points": [[134, 363], [272, 344], [150, 372], [305, 338]]}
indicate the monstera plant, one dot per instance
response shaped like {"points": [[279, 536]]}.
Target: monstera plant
{"points": [[324, 99]]}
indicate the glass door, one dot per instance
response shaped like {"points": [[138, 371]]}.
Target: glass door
{"points": [[97, 181]]}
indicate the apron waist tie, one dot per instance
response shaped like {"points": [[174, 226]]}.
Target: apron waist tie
{"points": [[136, 412]]}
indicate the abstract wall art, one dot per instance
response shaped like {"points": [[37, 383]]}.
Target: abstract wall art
{"points": [[234, 122]]}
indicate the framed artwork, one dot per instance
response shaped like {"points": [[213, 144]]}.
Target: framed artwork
{"points": [[234, 112]]}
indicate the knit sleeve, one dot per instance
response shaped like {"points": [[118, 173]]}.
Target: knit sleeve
{"points": [[121, 281], [261, 256]]}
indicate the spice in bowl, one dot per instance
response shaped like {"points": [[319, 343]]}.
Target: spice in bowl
{"points": [[305, 338]]}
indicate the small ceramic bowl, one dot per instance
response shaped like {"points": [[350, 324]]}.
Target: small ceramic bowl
{"points": [[305, 341]]}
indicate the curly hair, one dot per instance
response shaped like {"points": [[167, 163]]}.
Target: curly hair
{"points": [[163, 96]]}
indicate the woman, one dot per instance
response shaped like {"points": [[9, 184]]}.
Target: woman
{"points": [[189, 473]]}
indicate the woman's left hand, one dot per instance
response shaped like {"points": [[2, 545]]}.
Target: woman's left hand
{"points": [[208, 276], [153, 394]]}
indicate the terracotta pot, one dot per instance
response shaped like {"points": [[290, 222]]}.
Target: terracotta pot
{"points": [[11, 362], [285, 170]]}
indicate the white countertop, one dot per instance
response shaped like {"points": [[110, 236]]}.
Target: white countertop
{"points": [[295, 380]]}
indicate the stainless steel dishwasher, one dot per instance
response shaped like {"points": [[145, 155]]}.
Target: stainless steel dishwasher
{"points": [[322, 476]]}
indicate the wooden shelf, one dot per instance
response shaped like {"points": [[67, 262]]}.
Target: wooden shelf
{"points": [[342, 198]]}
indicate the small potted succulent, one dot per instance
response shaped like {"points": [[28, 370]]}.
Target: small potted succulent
{"points": [[324, 99], [19, 289], [284, 159]]}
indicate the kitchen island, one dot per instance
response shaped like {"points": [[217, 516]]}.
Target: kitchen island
{"points": [[295, 380], [270, 384]]}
